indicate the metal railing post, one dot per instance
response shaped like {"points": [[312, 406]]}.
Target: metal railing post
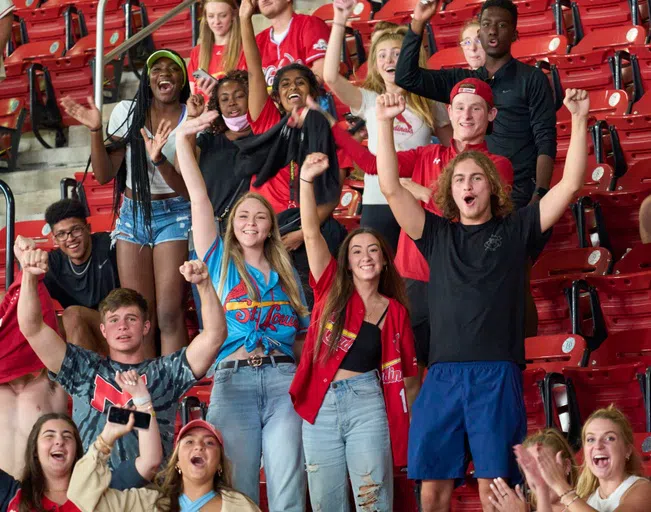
{"points": [[10, 224], [99, 55]]}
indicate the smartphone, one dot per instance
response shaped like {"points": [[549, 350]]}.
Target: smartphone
{"points": [[121, 416], [200, 73]]}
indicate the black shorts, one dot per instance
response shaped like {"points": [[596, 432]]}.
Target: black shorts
{"points": [[419, 309]]}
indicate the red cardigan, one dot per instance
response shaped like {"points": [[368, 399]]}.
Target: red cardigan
{"points": [[398, 361]]}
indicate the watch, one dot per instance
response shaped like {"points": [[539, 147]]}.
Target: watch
{"points": [[540, 191]]}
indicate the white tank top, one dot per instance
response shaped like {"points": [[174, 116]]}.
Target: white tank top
{"points": [[610, 503]]}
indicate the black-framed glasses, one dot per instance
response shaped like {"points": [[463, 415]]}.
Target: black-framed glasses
{"points": [[75, 232], [469, 41]]}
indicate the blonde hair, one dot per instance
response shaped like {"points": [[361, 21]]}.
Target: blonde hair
{"points": [[274, 252], [556, 442], [588, 483], [207, 40], [374, 82], [467, 25], [501, 204]]}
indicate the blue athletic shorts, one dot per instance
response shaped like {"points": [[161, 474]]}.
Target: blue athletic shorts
{"points": [[477, 405]]}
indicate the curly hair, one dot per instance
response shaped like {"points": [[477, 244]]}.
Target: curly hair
{"points": [[241, 77], [64, 209], [507, 5], [501, 204]]}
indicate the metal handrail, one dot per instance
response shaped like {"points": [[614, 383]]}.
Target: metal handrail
{"points": [[126, 45], [10, 224]]}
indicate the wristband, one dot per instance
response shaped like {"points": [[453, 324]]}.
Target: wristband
{"points": [[306, 181], [95, 130], [160, 162], [139, 402]]}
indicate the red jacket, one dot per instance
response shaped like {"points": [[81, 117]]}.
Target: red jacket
{"points": [[423, 165], [398, 361]]}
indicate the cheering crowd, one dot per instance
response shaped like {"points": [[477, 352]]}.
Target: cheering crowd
{"points": [[334, 357]]}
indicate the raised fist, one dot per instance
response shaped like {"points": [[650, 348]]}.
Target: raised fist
{"points": [[194, 271], [314, 165], [35, 261], [389, 105]]}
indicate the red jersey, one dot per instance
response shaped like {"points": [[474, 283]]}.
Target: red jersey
{"points": [[48, 505], [312, 380], [423, 165], [215, 68], [306, 40]]}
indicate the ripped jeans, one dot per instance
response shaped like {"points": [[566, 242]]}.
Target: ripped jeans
{"points": [[170, 221], [350, 438]]}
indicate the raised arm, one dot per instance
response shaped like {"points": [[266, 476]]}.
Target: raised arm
{"points": [[46, 343], [318, 254], [406, 209], [542, 113], [105, 166], [343, 89], [204, 228], [149, 443], [257, 83], [556, 201], [202, 351]]}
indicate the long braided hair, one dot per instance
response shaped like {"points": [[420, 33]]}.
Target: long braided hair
{"points": [[138, 117]]}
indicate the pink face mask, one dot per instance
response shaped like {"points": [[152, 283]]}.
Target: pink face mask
{"points": [[237, 124]]}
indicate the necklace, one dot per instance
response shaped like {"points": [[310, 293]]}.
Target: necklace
{"points": [[83, 271]]}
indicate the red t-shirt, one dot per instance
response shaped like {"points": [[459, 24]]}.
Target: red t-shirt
{"points": [[49, 505], [277, 189], [215, 68], [312, 380], [423, 165], [306, 40]]}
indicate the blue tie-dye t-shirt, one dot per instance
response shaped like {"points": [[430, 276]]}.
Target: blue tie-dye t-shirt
{"points": [[90, 380]]}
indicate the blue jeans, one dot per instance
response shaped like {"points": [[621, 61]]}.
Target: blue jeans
{"points": [[252, 408], [350, 438]]}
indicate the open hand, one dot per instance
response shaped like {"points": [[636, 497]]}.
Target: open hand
{"points": [[314, 165], [131, 382], [389, 105], [577, 102], [190, 127], [89, 116], [505, 499], [155, 144], [195, 105], [424, 9], [552, 470], [530, 469], [205, 85], [248, 8], [194, 271], [343, 10], [34, 261]]}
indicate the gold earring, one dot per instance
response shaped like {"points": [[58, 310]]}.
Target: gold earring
{"points": [[178, 469]]}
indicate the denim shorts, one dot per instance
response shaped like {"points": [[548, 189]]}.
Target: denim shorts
{"points": [[170, 222]]}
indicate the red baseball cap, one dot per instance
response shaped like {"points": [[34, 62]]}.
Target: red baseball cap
{"points": [[473, 86], [200, 424]]}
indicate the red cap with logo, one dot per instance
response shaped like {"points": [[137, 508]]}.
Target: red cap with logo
{"points": [[200, 424], [473, 86]]}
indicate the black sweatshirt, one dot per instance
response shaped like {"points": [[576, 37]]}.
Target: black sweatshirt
{"points": [[525, 126]]}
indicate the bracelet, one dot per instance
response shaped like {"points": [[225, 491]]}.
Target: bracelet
{"points": [[567, 507], [95, 130], [306, 181], [104, 446], [159, 162], [570, 491], [139, 402]]}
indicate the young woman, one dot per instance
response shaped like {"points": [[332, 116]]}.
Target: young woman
{"points": [[415, 127], [542, 497], [471, 45], [360, 334], [154, 217], [611, 476], [220, 45], [265, 312], [197, 476], [54, 447]]}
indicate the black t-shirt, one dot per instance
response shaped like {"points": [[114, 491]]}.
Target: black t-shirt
{"points": [[477, 285], [217, 163], [76, 285]]}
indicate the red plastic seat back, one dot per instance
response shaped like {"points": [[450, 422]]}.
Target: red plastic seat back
{"points": [[643, 105], [394, 8], [447, 25], [575, 263], [553, 353], [448, 58], [536, 48], [636, 178], [361, 11], [101, 223], [612, 38], [633, 346], [634, 133], [597, 388], [638, 259], [611, 102], [598, 14], [10, 109], [532, 381], [112, 39], [34, 51]]}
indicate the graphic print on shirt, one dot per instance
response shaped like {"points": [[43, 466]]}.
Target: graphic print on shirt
{"points": [[107, 392], [400, 124], [345, 340], [248, 310], [493, 243], [286, 60], [321, 44]]}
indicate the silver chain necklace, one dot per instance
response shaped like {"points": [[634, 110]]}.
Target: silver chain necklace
{"points": [[83, 271]]}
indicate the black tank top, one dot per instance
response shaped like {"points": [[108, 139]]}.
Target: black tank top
{"points": [[365, 354]]}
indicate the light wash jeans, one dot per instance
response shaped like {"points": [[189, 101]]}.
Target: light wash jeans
{"points": [[350, 438], [253, 410]]}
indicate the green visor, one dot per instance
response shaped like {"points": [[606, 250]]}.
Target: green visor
{"points": [[158, 54]]}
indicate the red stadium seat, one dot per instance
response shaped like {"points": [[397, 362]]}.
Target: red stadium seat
{"points": [[176, 34], [596, 15], [448, 58], [624, 347], [642, 106], [447, 24], [465, 498], [590, 389], [99, 197], [536, 18], [101, 223], [643, 447], [361, 11], [34, 51], [571, 263], [12, 118], [533, 49], [636, 178], [631, 139], [553, 353], [598, 177], [393, 8], [638, 259], [641, 65], [52, 23], [533, 386]]}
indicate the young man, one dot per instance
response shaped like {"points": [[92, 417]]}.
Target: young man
{"points": [[82, 271], [477, 252], [90, 379], [291, 38], [471, 110], [524, 130]]}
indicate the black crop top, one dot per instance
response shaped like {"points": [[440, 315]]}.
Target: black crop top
{"points": [[365, 354]]}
